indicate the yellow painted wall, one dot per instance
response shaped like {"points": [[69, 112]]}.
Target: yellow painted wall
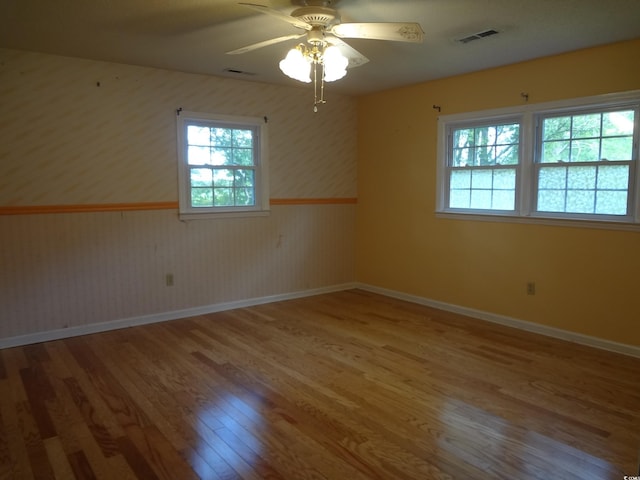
{"points": [[587, 279]]}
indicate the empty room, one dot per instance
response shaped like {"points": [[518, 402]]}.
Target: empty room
{"points": [[329, 240]]}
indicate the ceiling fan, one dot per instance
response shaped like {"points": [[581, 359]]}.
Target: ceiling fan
{"points": [[324, 32], [323, 22]]}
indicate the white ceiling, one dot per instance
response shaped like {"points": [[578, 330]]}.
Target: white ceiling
{"points": [[193, 35]]}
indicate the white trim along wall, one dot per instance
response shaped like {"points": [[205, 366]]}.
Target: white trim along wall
{"points": [[629, 350]]}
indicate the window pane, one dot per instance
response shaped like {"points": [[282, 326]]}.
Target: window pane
{"points": [[243, 138], [600, 189], [460, 179], [504, 200], [223, 177], [504, 189], [481, 179], [198, 155], [488, 189], [594, 137], [243, 156], [485, 156], [460, 198], [552, 178], [221, 137], [462, 157], [613, 177], [581, 178], [201, 197], [551, 200], [244, 197], [558, 128], [556, 151], [580, 201], [585, 126], [221, 156], [618, 123], [504, 179], [485, 136], [611, 203], [201, 177], [481, 199], [508, 134], [198, 135], [585, 150], [223, 197], [463, 138], [617, 148], [507, 154], [244, 178], [486, 145]]}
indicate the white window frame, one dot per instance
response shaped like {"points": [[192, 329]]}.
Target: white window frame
{"points": [[526, 187], [463, 124], [261, 165]]}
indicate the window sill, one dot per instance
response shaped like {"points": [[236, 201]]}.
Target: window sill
{"points": [[558, 222], [211, 215]]}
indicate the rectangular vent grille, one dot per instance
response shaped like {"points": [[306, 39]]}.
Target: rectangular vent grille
{"points": [[477, 36]]}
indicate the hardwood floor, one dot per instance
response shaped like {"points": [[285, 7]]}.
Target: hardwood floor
{"points": [[348, 385]]}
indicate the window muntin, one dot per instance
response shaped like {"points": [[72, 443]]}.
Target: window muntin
{"points": [[584, 163], [222, 164], [482, 166]]}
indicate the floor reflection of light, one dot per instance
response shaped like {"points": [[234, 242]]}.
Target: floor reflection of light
{"points": [[227, 428], [493, 444]]}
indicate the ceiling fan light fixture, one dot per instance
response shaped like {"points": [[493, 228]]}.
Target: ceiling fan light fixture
{"points": [[324, 31], [325, 59], [335, 64], [296, 65]]}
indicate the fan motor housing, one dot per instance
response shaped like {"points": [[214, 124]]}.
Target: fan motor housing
{"points": [[316, 16]]}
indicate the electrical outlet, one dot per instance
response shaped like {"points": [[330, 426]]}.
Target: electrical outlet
{"points": [[169, 279], [531, 288]]}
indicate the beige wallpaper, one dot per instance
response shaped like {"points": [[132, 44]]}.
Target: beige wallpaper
{"points": [[77, 132]]}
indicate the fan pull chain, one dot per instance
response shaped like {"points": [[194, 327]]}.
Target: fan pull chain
{"points": [[315, 87], [322, 86], [316, 102]]}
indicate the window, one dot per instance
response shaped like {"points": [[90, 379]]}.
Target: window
{"points": [[222, 165], [484, 166], [584, 162], [571, 160]]}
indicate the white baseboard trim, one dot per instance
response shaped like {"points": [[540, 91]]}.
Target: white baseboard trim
{"points": [[630, 350], [162, 317]]}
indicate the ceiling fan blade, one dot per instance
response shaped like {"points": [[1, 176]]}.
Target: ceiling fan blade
{"points": [[265, 43], [278, 14], [355, 57], [395, 31]]}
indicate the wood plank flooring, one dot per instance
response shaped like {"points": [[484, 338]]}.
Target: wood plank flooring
{"points": [[346, 386]]}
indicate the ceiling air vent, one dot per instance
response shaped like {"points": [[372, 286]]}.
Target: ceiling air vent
{"points": [[477, 36]]}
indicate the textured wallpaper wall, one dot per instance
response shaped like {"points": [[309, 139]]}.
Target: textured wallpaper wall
{"points": [[78, 132]]}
